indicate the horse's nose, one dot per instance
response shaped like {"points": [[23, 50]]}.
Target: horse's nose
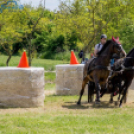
{"points": [[123, 54]]}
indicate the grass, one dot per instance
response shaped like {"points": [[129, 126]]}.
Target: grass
{"points": [[50, 76], [45, 63], [62, 116], [50, 86]]}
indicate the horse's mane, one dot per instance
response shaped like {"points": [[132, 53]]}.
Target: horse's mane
{"points": [[104, 47], [126, 61], [129, 62], [129, 54]]}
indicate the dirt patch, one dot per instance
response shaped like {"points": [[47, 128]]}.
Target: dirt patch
{"points": [[49, 92], [69, 106]]}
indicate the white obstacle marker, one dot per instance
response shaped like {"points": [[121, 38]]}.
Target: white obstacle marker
{"points": [[69, 79], [22, 87]]}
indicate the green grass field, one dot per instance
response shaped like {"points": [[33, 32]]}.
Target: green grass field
{"points": [[50, 78], [61, 115], [47, 64]]}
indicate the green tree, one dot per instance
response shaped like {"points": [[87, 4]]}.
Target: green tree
{"points": [[89, 19], [8, 32]]}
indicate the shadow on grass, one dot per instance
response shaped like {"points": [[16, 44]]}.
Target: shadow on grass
{"points": [[75, 106], [105, 105], [86, 105]]}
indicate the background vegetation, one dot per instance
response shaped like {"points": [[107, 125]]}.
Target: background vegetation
{"points": [[76, 25], [48, 38]]}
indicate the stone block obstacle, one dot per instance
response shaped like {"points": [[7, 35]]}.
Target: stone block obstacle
{"points": [[69, 79], [22, 86]]}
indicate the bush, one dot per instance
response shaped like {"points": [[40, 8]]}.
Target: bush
{"points": [[57, 56]]}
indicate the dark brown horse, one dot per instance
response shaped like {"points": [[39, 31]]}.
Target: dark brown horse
{"points": [[121, 81], [95, 70]]}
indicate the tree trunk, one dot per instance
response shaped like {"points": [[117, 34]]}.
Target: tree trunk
{"points": [[29, 61], [29, 58], [9, 58], [29, 50]]}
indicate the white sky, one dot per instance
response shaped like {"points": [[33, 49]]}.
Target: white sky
{"points": [[49, 4]]}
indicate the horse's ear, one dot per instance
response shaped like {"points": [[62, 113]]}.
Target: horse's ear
{"points": [[117, 38], [113, 39]]}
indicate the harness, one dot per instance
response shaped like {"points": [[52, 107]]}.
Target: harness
{"points": [[96, 67], [123, 68]]}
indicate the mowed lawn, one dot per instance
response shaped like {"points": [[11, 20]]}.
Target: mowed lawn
{"points": [[47, 64], [61, 115]]}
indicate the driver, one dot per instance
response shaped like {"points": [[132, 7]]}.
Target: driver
{"points": [[99, 46]]}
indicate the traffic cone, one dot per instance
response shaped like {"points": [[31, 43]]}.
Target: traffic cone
{"points": [[73, 59], [23, 61]]}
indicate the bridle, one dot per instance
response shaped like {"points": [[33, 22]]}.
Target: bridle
{"points": [[117, 45]]}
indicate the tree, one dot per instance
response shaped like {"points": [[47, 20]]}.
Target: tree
{"points": [[89, 19], [8, 32], [35, 23]]}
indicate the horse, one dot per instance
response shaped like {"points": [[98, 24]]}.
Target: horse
{"points": [[96, 69], [122, 80]]}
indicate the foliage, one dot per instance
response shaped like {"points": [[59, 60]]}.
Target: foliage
{"points": [[77, 25], [89, 19]]}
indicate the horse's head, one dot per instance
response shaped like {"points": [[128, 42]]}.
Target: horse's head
{"points": [[131, 53], [129, 61], [117, 47]]}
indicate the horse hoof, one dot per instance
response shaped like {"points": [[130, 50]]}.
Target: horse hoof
{"points": [[120, 106], [78, 103], [97, 102]]}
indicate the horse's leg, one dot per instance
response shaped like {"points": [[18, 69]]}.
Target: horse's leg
{"points": [[85, 80], [111, 98], [126, 85], [111, 95], [104, 90], [91, 88], [125, 98], [98, 88], [120, 91]]}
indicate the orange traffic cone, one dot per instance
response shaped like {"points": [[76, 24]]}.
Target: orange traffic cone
{"points": [[23, 61], [73, 59]]}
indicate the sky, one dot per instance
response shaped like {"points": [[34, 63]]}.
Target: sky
{"points": [[49, 4]]}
